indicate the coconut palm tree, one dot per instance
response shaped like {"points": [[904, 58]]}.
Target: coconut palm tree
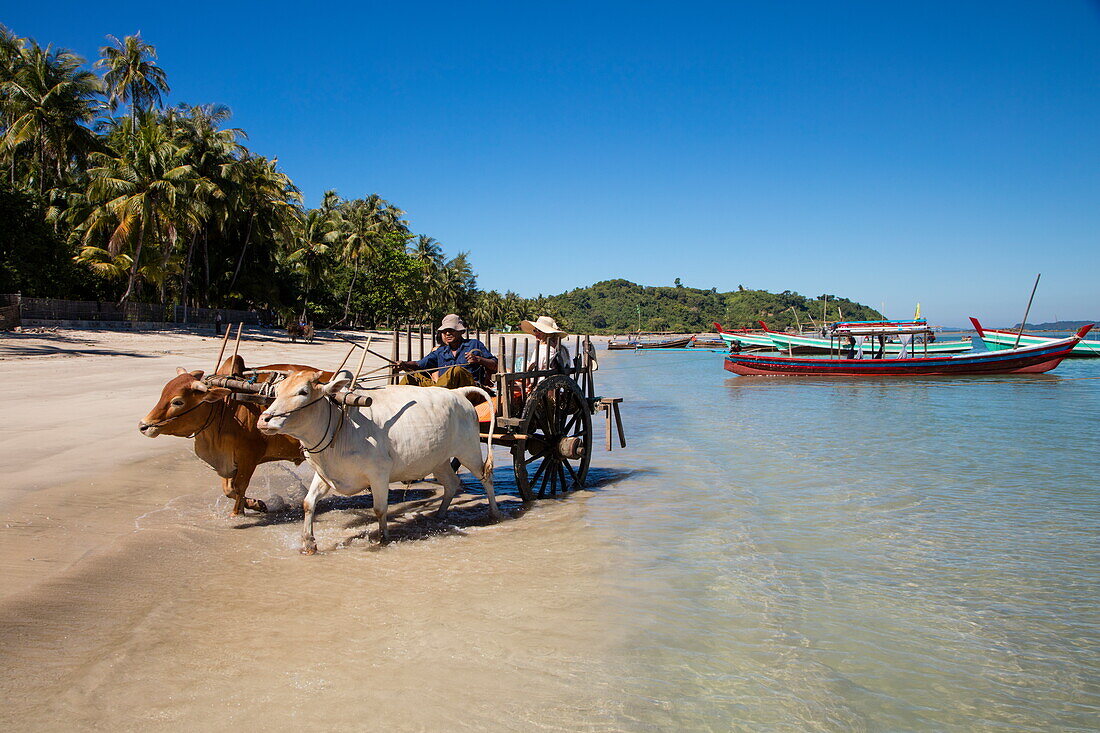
{"points": [[133, 76], [48, 102], [136, 196], [363, 224], [305, 252]]}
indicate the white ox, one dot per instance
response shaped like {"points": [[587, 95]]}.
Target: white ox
{"points": [[404, 435]]}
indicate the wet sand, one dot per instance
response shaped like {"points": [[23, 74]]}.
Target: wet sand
{"points": [[132, 600]]}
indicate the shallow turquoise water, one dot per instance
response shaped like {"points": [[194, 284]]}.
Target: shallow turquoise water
{"points": [[890, 554]]}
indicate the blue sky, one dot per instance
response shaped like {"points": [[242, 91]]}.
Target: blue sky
{"points": [[937, 152]]}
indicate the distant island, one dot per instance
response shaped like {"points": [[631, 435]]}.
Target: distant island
{"points": [[621, 306], [1054, 326]]}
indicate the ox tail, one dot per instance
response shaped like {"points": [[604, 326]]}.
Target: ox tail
{"points": [[468, 393]]}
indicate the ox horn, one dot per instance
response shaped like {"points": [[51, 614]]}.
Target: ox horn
{"points": [[199, 386]]}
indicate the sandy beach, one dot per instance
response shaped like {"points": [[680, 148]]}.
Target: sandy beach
{"points": [[131, 599]]}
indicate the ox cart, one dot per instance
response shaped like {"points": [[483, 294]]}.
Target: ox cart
{"points": [[544, 417]]}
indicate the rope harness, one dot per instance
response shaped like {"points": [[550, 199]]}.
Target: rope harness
{"points": [[328, 422], [205, 425]]}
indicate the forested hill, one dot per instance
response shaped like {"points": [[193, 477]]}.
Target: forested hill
{"points": [[620, 306]]}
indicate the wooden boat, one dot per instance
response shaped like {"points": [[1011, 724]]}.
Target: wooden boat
{"points": [[998, 340], [744, 337], [634, 343], [790, 342], [1034, 359], [704, 342]]}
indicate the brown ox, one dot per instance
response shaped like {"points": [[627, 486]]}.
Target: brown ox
{"points": [[225, 431]]}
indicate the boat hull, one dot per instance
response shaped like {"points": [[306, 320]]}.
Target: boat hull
{"points": [[1027, 360], [748, 339], [633, 345], [1001, 340]]}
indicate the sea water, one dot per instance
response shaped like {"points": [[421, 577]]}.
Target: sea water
{"points": [[767, 554], [883, 554]]}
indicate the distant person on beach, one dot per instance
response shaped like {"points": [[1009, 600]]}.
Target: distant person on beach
{"points": [[218, 323], [555, 355], [458, 362]]}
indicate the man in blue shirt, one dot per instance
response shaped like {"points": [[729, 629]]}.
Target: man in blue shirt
{"points": [[458, 362]]}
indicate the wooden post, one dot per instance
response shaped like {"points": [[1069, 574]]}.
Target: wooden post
{"points": [[525, 361], [409, 342], [394, 349], [512, 359], [591, 378], [502, 361], [420, 330]]}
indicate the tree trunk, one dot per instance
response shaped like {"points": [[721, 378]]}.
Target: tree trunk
{"points": [[351, 288], [187, 273], [247, 236], [137, 259]]}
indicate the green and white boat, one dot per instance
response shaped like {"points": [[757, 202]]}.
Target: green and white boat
{"points": [[744, 338], [998, 340]]}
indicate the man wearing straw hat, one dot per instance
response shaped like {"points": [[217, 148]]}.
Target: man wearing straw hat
{"points": [[556, 355], [458, 362]]}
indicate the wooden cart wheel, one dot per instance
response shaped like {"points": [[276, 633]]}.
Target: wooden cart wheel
{"points": [[554, 456]]}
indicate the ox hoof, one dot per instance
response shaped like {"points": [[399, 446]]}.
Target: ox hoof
{"points": [[256, 505], [440, 515], [497, 517], [309, 548]]}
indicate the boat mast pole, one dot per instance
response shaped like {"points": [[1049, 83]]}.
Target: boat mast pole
{"points": [[1027, 310]]}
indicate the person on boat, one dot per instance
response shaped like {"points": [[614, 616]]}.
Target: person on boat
{"points": [[458, 362], [555, 354]]}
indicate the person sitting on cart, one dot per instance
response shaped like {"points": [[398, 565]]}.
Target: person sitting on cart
{"points": [[458, 362], [555, 354]]}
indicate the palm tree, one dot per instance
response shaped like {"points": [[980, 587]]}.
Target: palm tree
{"points": [[362, 225], [213, 154], [269, 197], [132, 75], [306, 251], [48, 103], [136, 196]]}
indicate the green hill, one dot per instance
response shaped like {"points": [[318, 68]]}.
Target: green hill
{"points": [[620, 306]]}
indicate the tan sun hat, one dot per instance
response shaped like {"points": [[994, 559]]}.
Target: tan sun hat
{"points": [[545, 324], [453, 322]]}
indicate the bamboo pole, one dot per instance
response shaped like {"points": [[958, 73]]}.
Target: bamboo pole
{"points": [[1028, 310], [363, 358], [345, 360], [225, 340], [237, 343]]}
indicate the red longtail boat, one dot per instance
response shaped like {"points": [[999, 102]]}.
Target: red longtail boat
{"points": [[1025, 360]]}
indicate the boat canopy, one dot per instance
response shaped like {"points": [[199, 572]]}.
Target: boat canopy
{"points": [[879, 328]]}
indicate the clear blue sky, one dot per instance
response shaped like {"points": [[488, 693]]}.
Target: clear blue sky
{"points": [[938, 151]]}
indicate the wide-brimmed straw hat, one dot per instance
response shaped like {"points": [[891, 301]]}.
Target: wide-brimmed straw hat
{"points": [[545, 324], [453, 322]]}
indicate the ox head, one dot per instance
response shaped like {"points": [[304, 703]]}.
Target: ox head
{"points": [[297, 398], [178, 410]]}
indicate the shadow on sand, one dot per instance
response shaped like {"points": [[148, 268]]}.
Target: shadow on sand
{"points": [[412, 510], [13, 344]]}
